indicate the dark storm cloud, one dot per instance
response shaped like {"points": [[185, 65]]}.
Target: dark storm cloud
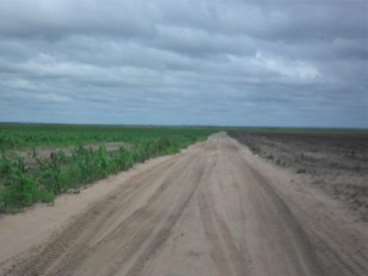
{"points": [[278, 62]]}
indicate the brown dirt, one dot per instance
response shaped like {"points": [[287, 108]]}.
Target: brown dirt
{"points": [[336, 163], [215, 209]]}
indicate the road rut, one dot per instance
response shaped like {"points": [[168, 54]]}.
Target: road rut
{"points": [[208, 211]]}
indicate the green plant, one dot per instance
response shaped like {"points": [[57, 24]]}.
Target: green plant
{"points": [[22, 185]]}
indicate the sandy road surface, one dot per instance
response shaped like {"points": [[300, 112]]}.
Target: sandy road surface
{"points": [[215, 209]]}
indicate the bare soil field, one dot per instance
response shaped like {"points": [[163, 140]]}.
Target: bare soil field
{"points": [[214, 209], [336, 163]]}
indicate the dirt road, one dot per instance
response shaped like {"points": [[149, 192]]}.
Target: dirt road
{"points": [[215, 209]]}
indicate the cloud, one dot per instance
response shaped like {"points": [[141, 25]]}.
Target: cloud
{"points": [[235, 62]]}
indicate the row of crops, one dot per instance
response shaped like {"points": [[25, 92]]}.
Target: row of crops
{"points": [[23, 183], [20, 136]]}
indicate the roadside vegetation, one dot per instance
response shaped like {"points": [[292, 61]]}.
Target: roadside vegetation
{"points": [[23, 183]]}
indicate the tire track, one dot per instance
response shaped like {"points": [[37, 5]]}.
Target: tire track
{"points": [[86, 225], [208, 211]]}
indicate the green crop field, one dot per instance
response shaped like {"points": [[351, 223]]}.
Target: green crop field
{"points": [[27, 180], [20, 136]]}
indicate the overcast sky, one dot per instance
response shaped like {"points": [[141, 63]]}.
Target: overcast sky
{"points": [[233, 62]]}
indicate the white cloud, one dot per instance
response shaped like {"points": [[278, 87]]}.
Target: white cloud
{"points": [[51, 98], [295, 70]]}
